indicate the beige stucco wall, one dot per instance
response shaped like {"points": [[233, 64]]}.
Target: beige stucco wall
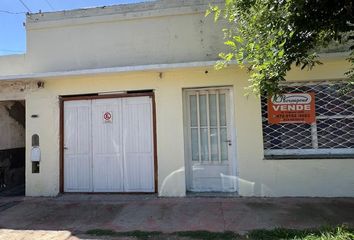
{"points": [[155, 33], [257, 177]]}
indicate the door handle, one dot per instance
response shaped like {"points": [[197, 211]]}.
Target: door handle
{"points": [[66, 148], [229, 142]]}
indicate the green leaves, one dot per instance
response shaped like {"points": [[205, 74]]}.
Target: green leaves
{"points": [[213, 9], [269, 36]]}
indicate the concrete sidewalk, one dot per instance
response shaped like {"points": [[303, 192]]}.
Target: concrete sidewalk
{"points": [[75, 214]]}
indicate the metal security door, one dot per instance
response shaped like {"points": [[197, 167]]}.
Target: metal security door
{"points": [[77, 146], [210, 141], [107, 142]]}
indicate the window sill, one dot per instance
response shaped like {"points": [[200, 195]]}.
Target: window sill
{"points": [[312, 156]]}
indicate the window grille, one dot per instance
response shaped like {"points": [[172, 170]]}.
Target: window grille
{"points": [[331, 135], [208, 125]]}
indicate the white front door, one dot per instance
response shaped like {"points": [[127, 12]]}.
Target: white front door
{"points": [[108, 145], [210, 141]]}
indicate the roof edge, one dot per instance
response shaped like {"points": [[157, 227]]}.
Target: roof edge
{"points": [[97, 71], [117, 12], [140, 68]]}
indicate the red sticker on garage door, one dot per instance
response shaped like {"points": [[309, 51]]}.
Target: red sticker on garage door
{"points": [[107, 117]]}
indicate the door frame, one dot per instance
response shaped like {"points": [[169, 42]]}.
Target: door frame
{"points": [[187, 141], [63, 99]]}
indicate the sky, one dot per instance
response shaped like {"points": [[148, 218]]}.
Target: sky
{"points": [[13, 14]]}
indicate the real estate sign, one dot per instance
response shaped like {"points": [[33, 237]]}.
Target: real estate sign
{"points": [[292, 108]]}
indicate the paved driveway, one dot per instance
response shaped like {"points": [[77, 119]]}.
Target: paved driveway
{"points": [[70, 215]]}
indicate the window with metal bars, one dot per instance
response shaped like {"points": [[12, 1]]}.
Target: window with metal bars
{"points": [[332, 135]]}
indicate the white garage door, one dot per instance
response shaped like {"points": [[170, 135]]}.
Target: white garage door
{"points": [[108, 145]]}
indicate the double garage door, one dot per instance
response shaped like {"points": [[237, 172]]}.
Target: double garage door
{"points": [[108, 145]]}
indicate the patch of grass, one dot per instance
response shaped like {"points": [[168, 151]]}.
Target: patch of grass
{"points": [[278, 233], [202, 235], [339, 233], [111, 233], [101, 232], [141, 234], [206, 235]]}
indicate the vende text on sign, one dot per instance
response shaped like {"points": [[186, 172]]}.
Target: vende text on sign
{"points": [[292, 108]]}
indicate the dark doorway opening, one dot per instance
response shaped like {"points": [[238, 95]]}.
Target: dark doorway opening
{"points": [[12, 148]]}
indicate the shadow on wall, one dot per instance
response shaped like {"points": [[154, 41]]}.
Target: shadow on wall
{"points": [[17, 112], [12, 148]]}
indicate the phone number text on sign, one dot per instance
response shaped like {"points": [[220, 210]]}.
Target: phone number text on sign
{"points": [[292, 108]]}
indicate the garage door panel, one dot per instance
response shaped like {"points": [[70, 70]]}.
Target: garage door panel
{"points": [[77, 127], [108, 173], [109, 156], [138, 144], [70, 136], [107, 136], [107, 146], [83, 131], [106, 139], [139, 169], [77, 174], [77, 146], [137, 122]]}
